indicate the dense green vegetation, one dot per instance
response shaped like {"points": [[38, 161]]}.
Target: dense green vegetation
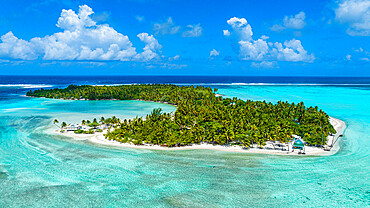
{"points": [[80, 131], [203, 117]]}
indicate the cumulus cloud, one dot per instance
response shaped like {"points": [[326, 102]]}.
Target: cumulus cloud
{"points": [[241, 27], [295, 22], [348, 57], [214, 53], [16, 48], [291, 22], [253, 49], [261, 49], [151, 49], [167, 27], [69, 20], [175, 58], [226, 33], [81, 39], [356, 14], [292, 50], [193, 31]]}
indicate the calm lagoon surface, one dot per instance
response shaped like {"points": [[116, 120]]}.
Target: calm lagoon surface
{"points": [[40, 170]]}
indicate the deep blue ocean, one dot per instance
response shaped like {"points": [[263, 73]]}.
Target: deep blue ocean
{"points": [[66, 80], [38, 169]]}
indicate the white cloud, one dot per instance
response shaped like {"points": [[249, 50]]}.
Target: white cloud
{"points": [[167, 27], [264, 64], [253, 50], [355, 13], [4, 61], [295, 22], [214, 53], [361, 54], [226, 33], [348, 57], [193, 31], [69, 20], [175, 58], [164, 65], [262, 50], [292, 50], [16, 48], [173, 66], [81, 39], [291, 22], [359, 50], [151, 49], [241, 28], [277, 28]]}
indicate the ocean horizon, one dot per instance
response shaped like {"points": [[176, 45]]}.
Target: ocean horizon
{"points": [[187, 79]]}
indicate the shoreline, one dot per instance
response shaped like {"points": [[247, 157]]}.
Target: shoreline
{"points": [[99, 139]]}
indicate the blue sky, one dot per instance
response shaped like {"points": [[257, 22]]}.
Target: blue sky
{"points": [[148, 37]]}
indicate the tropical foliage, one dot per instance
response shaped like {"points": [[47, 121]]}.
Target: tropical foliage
{"points": [[80, 131], [201, 116]]}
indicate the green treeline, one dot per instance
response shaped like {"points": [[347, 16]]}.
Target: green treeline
{"points": [[203, 117]]}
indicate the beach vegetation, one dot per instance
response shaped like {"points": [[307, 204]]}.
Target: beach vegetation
{"points": [[80, 131], [55, 122]]}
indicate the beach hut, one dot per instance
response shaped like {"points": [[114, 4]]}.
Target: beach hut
{"points": [[103, 126], [73, 127], [298, 143]]}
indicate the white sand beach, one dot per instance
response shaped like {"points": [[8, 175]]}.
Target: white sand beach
{"points": [[99, 138]]}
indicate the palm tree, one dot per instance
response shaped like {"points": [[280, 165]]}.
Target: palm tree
{"points": [[83, 122], [102, 120], [55, 122], [64, 124]]}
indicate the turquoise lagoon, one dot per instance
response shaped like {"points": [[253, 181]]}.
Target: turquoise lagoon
{"points": [[40, 170]]}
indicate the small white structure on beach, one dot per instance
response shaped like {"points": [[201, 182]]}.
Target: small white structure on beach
{"points": [[298, 143], [103, 126], [85, 128], [73, 127]]}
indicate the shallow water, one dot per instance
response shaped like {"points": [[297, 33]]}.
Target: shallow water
{"points": [[42, 170]]}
